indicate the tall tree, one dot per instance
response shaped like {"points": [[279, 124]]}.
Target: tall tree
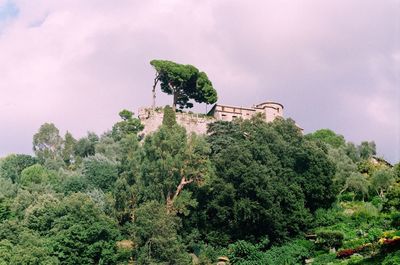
{"points": [[358, 183], [128, 125], [382, 179], [169, 117], [68, 148], [100, 171], [123, 200], [155, 233], [344, 166], [86, 146], [184, 82], [329, 137], [170, 162], [352, 152], [367, 149], [12, 165], [47, 142], [83, 234], [268, 180], [129, 158]]}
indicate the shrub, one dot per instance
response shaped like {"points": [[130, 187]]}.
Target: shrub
{"points": [[355, 259], [354, 243], [324, 259], [377, 202], [207, 254], [365, 249], [33, 174], [374, 234], [329, 239], [392, 199], [326, 217], [366, 213], [347, 197], [294, 252], [11, 166], [388, 245], [392, 259], [169, 118], [242, 251], [245, 253], [396, 220]]}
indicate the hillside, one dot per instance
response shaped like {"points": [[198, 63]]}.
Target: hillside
{"points": [[248, 192]]}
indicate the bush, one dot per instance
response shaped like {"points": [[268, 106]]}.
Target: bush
{"points": [[33, 174], [366, 213], [208, 254], [294, 252], [11, 166], [392, 199], [354, 243], [347, 197], [329, 239], [242, 251], [169, 117], [355, 259], [392, 259], [245, 253], [374, 234], [377, 202], [326, 217], [396, 220], [324, 259]]}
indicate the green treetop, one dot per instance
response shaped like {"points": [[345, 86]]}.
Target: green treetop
{"points": [[184, 82], [47, 141], [128, 125], [169, 118], [329, 137]]}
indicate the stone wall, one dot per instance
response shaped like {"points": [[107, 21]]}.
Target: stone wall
{"points": [[192, 122], [197, 123]]}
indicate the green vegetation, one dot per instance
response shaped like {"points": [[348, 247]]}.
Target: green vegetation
{"points": [[249, 192], [184, 82]]}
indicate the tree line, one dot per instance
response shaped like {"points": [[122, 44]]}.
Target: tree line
{"points": [[249, 191], [116, 198]]}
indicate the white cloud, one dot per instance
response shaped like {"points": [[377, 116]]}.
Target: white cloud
{"points": [[77, 63]]}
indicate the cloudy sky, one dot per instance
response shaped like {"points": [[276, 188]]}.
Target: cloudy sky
{"points": [[332, 63]]}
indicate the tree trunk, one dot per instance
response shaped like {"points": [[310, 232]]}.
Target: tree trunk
{"points": [[154, 91], [343, 190], [175, 96], [174, 101], [381, 194], [171, 199]]}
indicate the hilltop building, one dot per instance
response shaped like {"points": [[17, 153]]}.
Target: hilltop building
{"points": [[197, 123], [271, 110]]}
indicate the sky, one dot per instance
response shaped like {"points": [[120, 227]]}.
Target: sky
{"points": [[333, 64]]}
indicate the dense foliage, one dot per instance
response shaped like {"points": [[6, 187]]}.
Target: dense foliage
{"points": [[184, 82], [249, 192], [266, 183]]}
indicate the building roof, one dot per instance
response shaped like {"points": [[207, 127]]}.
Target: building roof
{"points": [[258, 106], [236, 107], [270, 102]]}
